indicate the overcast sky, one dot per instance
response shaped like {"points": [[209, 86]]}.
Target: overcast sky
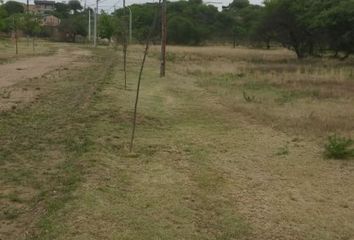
{"points": [[109, 5]]}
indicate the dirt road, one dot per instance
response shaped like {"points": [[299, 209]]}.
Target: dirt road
{"points": [[15, 89], [15, 72]]}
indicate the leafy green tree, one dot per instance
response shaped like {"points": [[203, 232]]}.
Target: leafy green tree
{"points": [[62, 10], [287, 19], [182, 31], [263, 31], [239, 4], [335, 19], [143, 17], [12, 7], [30, 24], [3, 15], [245, 18], [75, 5], [75, 25], [106, 26]]}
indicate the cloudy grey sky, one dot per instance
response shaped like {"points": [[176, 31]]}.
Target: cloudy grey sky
{"points": [[109, 5]]}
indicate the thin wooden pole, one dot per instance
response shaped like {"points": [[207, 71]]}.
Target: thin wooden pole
{"points": [[16, 41], [147, 44]]}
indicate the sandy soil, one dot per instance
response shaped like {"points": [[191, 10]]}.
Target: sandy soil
{"points": [[34, 67], [14, 89]]}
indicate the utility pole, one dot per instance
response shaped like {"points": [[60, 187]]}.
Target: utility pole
{"points": [[95, 26], [27, 6], [163, 38], [89, 24]]}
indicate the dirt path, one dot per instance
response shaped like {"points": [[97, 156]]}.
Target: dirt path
{"points": [[20, 82], [20, 70]]}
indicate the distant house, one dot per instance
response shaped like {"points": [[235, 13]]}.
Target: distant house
{"points": [[31, 8], [43, 6], [50, 21]]}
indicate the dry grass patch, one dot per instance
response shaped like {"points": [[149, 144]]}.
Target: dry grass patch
{"points": [[310, 96]]}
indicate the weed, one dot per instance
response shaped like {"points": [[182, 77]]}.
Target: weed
{"points": [[339, 147], [10, 214], [282, 151], [5, 94], [13, 197], [248, 98], [257, 86], [171, 57]]}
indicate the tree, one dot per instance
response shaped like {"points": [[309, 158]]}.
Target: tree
{"points": [[30, 24], [142, 21], [245, 18], [3, 15], [12, 7], [74, 5], [335, 19], [73, 21], [62, 10], [239, 4], [73, 26], [182, 31], [263, 31], [287, 19], [106, 26]]}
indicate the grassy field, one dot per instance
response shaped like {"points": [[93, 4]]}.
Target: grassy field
{"points": [[230, 145]]}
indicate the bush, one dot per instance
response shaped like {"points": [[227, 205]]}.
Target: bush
{"points": [[339, 147]]}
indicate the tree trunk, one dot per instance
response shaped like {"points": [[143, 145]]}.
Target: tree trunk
{"points": [[33, 43], [268, 44], [347, 54], [16, 42], [298, 52]]}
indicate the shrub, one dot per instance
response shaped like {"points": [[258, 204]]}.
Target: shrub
{"points": [[339, 147]]}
